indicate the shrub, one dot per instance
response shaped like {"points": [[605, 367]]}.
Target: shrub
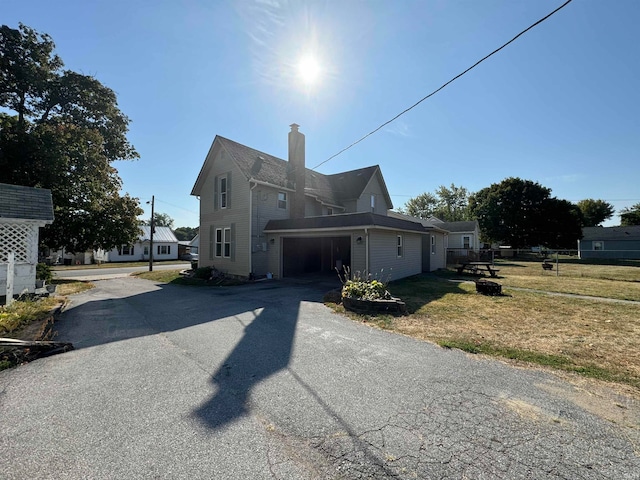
{"points": [[362, 287], [203, 272], [43, 272]]}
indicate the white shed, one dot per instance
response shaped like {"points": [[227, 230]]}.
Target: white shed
{"points": [[23, 210]]}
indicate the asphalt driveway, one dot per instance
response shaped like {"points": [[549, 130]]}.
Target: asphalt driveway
{"points": [[263, 381]]}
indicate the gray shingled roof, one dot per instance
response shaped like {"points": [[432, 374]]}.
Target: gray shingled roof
{"points": [[25, 203], [343, 221], [457, 227], [330, 189], [611, 233]]}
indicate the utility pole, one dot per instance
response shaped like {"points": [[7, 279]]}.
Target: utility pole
{"points": [[151, 236]]}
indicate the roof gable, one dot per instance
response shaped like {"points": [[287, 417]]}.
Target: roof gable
{"points": [[262, 167], [25, 203]]}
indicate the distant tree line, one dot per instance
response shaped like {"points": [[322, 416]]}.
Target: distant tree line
{"points": [[517, 212]]}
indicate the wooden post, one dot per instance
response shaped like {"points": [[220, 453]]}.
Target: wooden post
{"points": [[10, 277]]}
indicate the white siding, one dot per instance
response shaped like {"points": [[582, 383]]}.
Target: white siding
{"points": [[376, 189], [358, 252], [384, 263], [264, 207], [235, 216]]}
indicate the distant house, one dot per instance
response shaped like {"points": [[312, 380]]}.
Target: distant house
{"points": [[23, 210], [263, 215], [195, 243], [610, 242], [165, 246]]}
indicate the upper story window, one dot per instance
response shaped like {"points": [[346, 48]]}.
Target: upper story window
{"points": [[373, 202], [598, 245], [399, 245], [223, 192], [282, 200]]}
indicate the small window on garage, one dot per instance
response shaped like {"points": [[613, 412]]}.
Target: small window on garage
{"points": [[399, 244], [598, 245], [433, 244]]}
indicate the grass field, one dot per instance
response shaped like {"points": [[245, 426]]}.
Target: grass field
{"points": [[595, 338]]}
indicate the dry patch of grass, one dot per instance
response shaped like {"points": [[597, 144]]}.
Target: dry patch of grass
{"points": [[594, 338], [620, 282], [22, 313]]}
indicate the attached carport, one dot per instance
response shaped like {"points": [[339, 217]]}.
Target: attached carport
{"points": [[366, 242], [314, 254]]}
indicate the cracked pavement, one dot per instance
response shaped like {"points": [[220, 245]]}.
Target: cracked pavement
{"points": [[263, 381]]}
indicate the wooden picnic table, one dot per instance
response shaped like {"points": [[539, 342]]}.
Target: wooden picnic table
{"points": [[477, 268]]}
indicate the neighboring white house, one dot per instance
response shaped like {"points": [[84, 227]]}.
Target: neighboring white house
{"points": [[165, 246], [195, 243], [23, 210]]}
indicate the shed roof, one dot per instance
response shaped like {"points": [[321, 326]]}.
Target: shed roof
{"points": [[611, 233], [364, 219], [25, 203]]}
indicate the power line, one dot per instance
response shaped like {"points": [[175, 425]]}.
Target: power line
{"points": [[444, 85]]}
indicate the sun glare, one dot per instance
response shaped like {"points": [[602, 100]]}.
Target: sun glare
{"points": [[309, 70]]}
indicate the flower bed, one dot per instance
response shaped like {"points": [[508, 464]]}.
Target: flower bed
{"points": [[393, 306]]}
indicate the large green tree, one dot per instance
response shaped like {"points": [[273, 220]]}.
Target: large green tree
{"points": [[449, 204], [522, 213], [186, 233], [62, 130], [630, 216], [161, 220], [453, 203], [594, 212], [422, 206]]}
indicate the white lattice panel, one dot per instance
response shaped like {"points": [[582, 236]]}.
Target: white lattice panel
{"points": [[21, 239]]}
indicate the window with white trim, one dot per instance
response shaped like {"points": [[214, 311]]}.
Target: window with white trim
{"points": [[598, 245], [223, 192], [282, 200], [126, 250], [218, 242], [227, 242], [373, 202], [399, 245], [146, 250], [164, 249], [433, 244]]}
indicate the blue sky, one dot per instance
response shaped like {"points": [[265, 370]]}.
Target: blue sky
{"points": [[559, 106]]}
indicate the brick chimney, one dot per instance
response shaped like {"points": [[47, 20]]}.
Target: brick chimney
{"points": [[296, 170]]}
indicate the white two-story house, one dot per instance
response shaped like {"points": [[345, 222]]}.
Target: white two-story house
{"points": [[260, 214]]}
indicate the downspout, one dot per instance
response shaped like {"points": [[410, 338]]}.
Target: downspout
{"points": [[251, 187], [366, 250]]}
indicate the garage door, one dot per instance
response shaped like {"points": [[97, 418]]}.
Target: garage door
{"points": [[303, 255]]}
